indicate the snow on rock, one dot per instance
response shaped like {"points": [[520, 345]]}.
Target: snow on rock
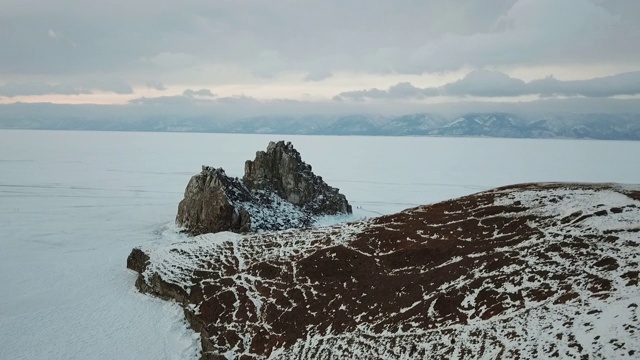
{"points": [[526, 271], [278, 191]]}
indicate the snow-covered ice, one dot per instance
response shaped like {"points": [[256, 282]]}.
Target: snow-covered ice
{"points": [[73, 204]]}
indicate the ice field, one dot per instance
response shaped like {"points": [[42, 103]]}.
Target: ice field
{"points": [[73, 205]]}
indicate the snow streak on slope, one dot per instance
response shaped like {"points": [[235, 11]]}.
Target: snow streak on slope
{"points": [[530, 271], [573, 293]]}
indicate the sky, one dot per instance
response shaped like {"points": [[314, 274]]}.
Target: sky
{"points": [[317, 53]]}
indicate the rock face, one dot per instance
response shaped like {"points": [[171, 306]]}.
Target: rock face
{"points": [[281, 169], [210, 203], [521, 272], [278, 191]]}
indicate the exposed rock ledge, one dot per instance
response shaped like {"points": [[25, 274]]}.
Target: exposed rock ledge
{"points": [[527, 271], [278, 191]]}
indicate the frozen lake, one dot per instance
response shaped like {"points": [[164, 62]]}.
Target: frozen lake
{"points": [[73, 204]]}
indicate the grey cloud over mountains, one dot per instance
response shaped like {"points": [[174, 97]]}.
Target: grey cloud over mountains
{"points": [[12, 89], [189, 97], [157, 85], [620, 84], [484, 83], [201, 92]]}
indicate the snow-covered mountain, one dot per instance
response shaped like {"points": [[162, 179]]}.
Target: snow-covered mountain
{"points": [[555, 125], [498, 125], [520, 272], [278, 125], [413, 124], [360, 124]]}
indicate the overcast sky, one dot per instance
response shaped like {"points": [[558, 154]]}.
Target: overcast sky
{"points": [[357, 51]]}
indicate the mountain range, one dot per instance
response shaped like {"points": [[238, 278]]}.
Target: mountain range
{"points": [[603, 126]]}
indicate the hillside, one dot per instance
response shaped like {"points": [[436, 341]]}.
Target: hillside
{"points": [[525, 271]]}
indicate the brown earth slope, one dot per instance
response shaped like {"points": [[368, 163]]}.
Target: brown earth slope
{"points": [[526, 271]]}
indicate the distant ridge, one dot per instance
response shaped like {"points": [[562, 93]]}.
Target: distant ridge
{"points": [[485, 124]]}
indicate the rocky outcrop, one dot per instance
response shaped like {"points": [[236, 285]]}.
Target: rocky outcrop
{"points": [[137, 261], [281, 169], [278, 191], [527, 271], [211, 203]]}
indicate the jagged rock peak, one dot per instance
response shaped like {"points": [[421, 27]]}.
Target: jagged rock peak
{"points": [[212, 170], [282, 170], [278, 191]]}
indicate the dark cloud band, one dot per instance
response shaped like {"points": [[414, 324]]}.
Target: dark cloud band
{"points": [[482, 83]]}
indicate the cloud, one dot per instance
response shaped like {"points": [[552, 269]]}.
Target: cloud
{"points": [[156, 85], [188, 98], [483, 83], [12, 89], [54, 35], [170, 101], [59, 37], [620, 84], [196, 93], [530, 32], [180, 107], [163, 39], [169, 60], [269, 63], [318, 75], [403, 90], [108, 84], [231, 105]]}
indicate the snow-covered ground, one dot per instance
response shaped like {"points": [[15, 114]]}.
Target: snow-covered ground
{"points": [[73, 204]]}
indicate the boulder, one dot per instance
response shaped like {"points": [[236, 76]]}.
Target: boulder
{"points": [[137, 260], [278, 191]]}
